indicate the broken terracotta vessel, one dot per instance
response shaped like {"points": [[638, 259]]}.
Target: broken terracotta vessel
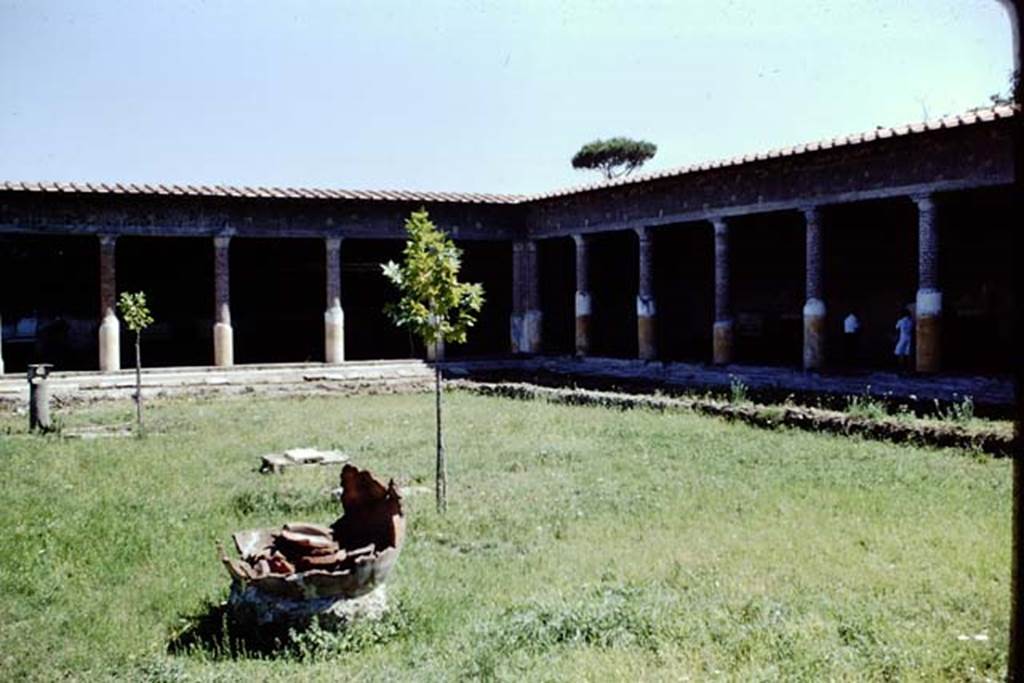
{"points": [[346, 560]]}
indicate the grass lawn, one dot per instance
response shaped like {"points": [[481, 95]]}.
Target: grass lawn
{"points": [[580, 544]]}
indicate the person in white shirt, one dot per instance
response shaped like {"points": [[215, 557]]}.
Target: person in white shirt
{"points": [[851, 339], [904, 340]]}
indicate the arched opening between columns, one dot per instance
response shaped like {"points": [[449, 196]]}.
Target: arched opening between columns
{"points": [[50, 303]]}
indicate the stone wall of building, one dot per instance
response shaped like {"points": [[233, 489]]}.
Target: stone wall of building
{"points": [[756, 259], [195, 216], [934, 161]]}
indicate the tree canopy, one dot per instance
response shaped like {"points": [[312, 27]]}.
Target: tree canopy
{"points": [[614, 157], [434, 304], [137, 317], [135, 311]]}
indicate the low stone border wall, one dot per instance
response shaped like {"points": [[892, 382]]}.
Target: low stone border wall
{"points": [[770, 417], [65, 399], [767, 386], [298, 379]]}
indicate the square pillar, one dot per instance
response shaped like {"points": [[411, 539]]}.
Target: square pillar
{"points": [[334, 316], [928, 318], [525, 323], [582, 296], [223, 334], [814, 306], [723, 329], [646, 312], [110, 330]]}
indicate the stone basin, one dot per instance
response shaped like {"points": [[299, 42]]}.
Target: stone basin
{"points": [[347, 560]]}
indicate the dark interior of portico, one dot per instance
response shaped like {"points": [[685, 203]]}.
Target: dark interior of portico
{"points": [[490, 264], [614, 270], [767, 274], [369, 333], [684, 286], [278, 299], [975, 272], [176, 274], [556, 264], [870, 269], [50, 305]]}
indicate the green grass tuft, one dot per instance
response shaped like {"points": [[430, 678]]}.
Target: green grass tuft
{"points": [[581, 543]]}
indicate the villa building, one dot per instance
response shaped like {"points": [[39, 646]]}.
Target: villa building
{"points": [[756, 259]]}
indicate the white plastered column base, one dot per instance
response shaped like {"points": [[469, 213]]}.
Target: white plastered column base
{"points": [[110, 344], [532, 330], [223, 345], [516, 325], [646, 324], [435, 352], [814, 334], [928, 330], [334, 335], [722, 340], [582, 323], [525, 330]]}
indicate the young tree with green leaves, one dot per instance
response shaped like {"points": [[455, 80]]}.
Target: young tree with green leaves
{"points": [[614, 157], [137, 317], [434, 306]]}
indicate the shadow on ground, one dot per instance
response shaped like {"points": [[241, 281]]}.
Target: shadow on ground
{"points": [[219, 635]]}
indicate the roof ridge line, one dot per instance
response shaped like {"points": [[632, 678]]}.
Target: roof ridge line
{"points": [[965, 118], [216, 189]]}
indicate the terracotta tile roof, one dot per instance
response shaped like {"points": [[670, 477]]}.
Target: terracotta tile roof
{"points": [[965, 119], [260, 192]]}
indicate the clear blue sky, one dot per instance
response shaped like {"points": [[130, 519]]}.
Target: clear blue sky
{"points": [[480, 96]]}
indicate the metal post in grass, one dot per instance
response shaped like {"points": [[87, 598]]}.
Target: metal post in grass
{"points": [[434, 306], [137, 317]]}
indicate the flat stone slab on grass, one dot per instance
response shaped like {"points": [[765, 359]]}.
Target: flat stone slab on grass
{"points": [[98, 432], [300, 457]]}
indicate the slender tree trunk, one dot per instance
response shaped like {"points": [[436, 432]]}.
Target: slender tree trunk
{"points": [[138, 382], [441, 479]]}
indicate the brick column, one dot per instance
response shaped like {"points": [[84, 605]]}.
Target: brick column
{"points": [[223, 335], [526, 315], [110, 329], [334, 316], [646, 312], [723, 306], [814, 307], [929, 297], [582, 296]]}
